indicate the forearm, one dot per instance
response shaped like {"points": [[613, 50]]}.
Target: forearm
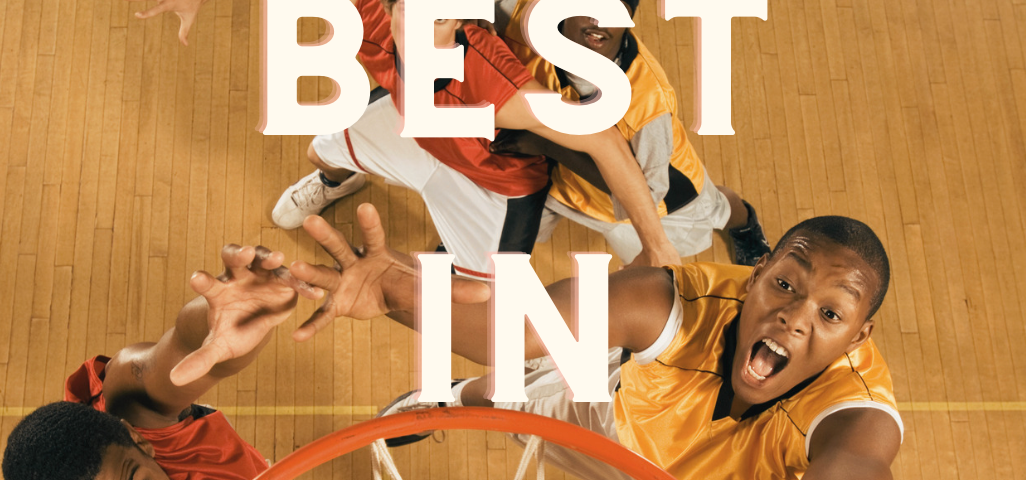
{"points": [[138, 386], [627, 183], [523, 142]]}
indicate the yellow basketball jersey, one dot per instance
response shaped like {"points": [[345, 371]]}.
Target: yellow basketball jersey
{"points": [[665, 409], [651, 97]]}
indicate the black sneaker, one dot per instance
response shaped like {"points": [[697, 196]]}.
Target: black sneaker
{"points": [[750, 243]]}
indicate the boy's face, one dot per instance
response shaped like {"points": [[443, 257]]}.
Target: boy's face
{"points": [[805, 308], [585, 31], [445, 30], [129, 463], [133, 462]]}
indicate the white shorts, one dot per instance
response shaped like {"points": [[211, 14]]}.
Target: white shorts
{"points": [[472, 222], [547, 394], [689, 228]]}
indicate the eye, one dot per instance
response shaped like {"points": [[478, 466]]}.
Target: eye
{"points": [[831, 315], [786, 286]]}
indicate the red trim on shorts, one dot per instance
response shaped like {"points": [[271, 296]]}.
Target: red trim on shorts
{"points": [[352, 153], [472, 273]]}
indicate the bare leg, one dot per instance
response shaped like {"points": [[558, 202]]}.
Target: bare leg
{"points": [[334, 174], [473, 394], [738, 212]]}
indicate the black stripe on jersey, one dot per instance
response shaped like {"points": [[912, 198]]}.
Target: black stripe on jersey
{"points": [[390, 52], [709, 296], [486, 59], [796, 427], [688, 369], [453, 95], [863, 380]]}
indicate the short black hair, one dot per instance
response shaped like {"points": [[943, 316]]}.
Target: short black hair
{"points": [[62, 441], [633, 4], [853, 235]]}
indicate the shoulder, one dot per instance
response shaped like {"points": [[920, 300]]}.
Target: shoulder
{"points": [[712, 280], [491, 67], [652, 95], [855, 386]]}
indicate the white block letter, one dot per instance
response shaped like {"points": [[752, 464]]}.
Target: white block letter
{"points": [[582, 362], [434, 320], [712, 69], [285, 61], [542, 34], [423, 63]]}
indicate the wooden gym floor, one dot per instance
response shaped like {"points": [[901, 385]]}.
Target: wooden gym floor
{"points": [[127, 160]]}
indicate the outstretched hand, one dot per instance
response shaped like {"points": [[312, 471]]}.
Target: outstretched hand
{"points": [[366, 282], [253, 295], [185, 9]]}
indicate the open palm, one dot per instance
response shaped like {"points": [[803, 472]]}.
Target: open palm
{"points": [[254, 295], [367, 282]]}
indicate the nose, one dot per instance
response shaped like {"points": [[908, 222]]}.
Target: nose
{"points": [[593, 21], [797, 317]]}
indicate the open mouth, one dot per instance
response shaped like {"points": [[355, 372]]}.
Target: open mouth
{"points": [[768, 359], [595, 38]]}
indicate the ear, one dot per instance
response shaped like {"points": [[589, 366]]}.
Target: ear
{"points": [[861, 336], [140, 442], [757, 271]]}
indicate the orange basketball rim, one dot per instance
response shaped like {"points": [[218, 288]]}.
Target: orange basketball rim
{"points": [[560, 433]]}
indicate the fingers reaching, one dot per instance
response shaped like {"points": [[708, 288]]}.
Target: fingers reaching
{"points": [[183, 30], [157, 10], [331, 240], [321, 318], [205, 284], [266, 259], [373, 232], [315, 275], [237, 260]]}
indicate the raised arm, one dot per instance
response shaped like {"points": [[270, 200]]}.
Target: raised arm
{"points": [[858, 443], [374, 281], [618, 167], [215, 336]]}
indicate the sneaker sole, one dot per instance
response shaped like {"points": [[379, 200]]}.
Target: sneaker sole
{"points": [[406, 439]]}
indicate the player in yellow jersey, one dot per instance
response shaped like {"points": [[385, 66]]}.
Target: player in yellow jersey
{"points": [[690, 204], [764, 372]]}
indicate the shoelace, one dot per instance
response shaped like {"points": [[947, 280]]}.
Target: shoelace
{"points": [[305, 195]]}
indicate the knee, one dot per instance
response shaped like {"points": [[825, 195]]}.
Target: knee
{"points": [[311, 153], [731, 195]]}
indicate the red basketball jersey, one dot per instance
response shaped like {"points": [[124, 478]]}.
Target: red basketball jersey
{"points": [[492, 75], [194, 449]]}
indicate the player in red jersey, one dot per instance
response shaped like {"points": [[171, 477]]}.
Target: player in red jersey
{"points": [[480, 202], [132, 416]]}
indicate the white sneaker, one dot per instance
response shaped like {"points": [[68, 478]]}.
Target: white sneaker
{"points": [[405, 403], [309, 196]]}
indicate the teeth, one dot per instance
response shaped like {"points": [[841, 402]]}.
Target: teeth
{"points": [[779, 350], [755, 375], [595, 36]]}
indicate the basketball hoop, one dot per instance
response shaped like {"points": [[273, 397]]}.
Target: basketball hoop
{"points": [[560, 433]]}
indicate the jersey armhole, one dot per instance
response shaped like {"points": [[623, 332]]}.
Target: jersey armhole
{"points": [[854, 404], [673, 324]]}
